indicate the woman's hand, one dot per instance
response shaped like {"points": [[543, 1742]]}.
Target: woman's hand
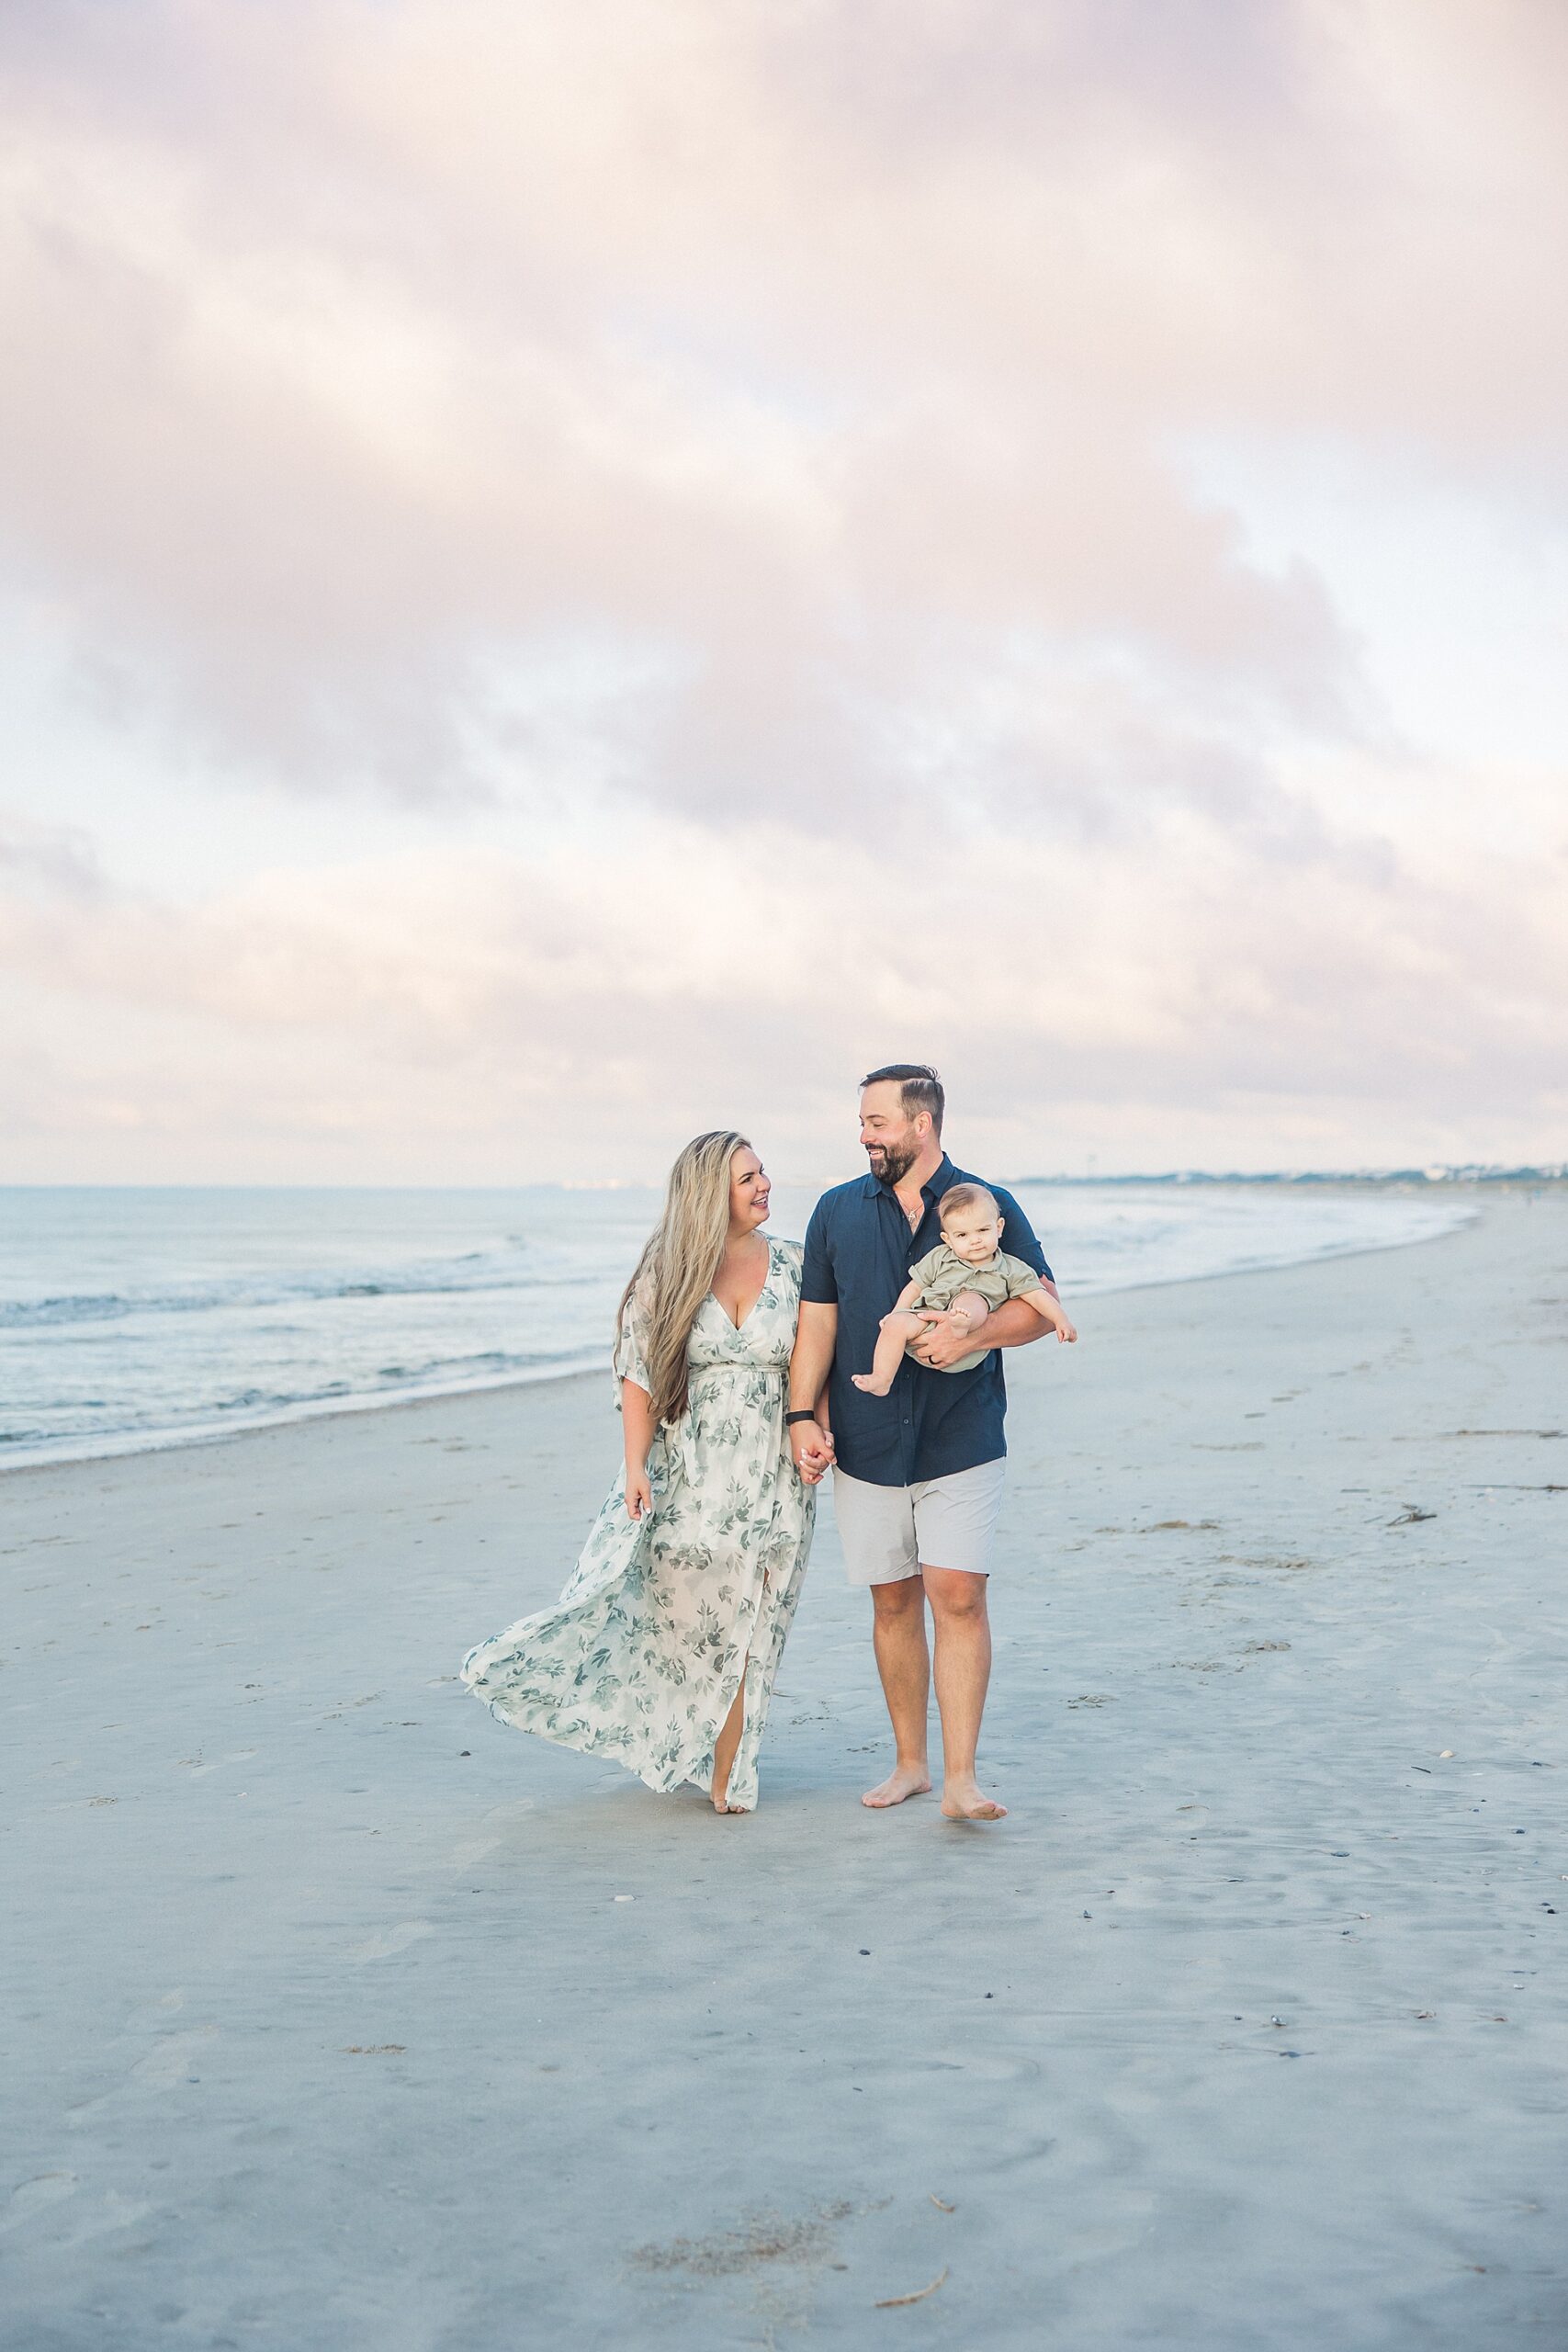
{"points": [[811, 1446], [640, 1493]]}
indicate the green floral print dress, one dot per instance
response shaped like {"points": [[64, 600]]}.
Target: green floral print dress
{"points": [[641, 1657]]}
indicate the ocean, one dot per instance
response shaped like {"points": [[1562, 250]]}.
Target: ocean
{"points": [[131, 1319]]}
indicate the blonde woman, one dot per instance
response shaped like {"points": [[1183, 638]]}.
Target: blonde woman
{"points": [[662, 1649]]}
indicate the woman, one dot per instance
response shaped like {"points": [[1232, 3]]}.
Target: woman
{"points": [[662, 1649]]}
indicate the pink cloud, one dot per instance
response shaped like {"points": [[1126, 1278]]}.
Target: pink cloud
{"points": [[764, 427]]}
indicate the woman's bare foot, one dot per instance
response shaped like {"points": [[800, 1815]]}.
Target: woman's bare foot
{"points": [[871, 1382], [904, 1781], [962, 1800]]}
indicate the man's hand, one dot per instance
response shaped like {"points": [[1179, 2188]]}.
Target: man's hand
{"points": [[811, 1447], [947, 1338], [1013, 1323]]}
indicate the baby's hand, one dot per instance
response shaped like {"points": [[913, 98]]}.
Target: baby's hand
{"points": [[1066, 1331]]}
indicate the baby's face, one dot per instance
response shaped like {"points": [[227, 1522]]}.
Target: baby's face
{"points": [[973, 1235]]}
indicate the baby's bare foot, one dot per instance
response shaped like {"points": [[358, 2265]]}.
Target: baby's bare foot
{"points": [[904, 1781], [962, 1800]]}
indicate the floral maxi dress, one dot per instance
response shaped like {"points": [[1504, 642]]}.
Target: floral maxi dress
{"points": [[641, 1657]]}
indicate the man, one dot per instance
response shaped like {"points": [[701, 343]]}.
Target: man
{"points": [[918, 1474]]}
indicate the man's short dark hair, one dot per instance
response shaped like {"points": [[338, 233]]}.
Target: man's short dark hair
{"points": [[920, 1088]]}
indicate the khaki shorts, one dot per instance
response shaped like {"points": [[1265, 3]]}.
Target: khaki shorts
{"points": [[890, 1532]]}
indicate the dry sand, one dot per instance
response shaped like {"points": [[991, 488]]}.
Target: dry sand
{"points": [[333, 2025]]}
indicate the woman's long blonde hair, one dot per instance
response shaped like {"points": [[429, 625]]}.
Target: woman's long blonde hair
{"points": [[680, 1262]]}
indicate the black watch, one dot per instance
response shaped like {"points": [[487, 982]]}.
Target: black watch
{"points": [[809, 1416]]}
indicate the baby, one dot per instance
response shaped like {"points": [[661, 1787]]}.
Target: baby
{"points": [[958, 1283]]}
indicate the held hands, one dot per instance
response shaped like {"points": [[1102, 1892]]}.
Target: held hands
{"points": [[640, 1493], [811, 1447]]}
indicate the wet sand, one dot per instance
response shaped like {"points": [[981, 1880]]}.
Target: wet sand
{"points": [[340, 2016]]}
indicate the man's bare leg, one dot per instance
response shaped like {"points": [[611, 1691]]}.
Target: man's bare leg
{"points": [[898, 1632], [963, 1671]]}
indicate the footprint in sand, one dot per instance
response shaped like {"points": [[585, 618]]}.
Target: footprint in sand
{"points": [[490, 1832], [473, 1851], [392, 1940], [31, 2196], [154, 2014], [199, 1771], [172, 2058]]}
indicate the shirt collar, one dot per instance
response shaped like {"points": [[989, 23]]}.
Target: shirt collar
{"points": [[940, 1182]]}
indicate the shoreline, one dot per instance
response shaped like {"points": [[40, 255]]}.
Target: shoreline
{"points": [[125, 1446], [129, 1448]]}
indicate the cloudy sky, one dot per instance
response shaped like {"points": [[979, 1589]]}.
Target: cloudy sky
{"points": [[575, 573]]}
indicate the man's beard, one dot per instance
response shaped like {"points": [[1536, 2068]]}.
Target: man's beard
{"points": [[897, 1161]]}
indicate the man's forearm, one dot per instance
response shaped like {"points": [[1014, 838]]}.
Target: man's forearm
{"points": [[813, 1358], [1013, 1323]]}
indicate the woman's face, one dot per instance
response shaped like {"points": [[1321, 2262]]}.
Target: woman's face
{"points": [[749, 1190]]}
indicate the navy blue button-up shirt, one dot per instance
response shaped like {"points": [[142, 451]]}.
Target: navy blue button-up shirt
{"points": [[859, 1250]]}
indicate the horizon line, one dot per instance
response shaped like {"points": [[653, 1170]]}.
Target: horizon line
{"points": [[1431, 1173]]}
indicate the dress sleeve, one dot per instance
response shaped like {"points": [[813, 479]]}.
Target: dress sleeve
{"points": [[631, 1362]]}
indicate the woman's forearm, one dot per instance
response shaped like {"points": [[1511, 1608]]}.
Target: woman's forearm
{"points": [[636, 1417]]}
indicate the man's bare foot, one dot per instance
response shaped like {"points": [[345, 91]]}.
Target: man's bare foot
{"points": [[904, 1781], [870, 1383], [964, 1801]]}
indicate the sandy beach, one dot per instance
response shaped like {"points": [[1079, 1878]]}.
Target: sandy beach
{"points": [[339, 2017]]}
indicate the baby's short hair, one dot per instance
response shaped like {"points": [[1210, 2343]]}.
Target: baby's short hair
{"points": [[966, 1196]]}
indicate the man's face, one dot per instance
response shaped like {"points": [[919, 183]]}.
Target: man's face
{"points": [[891, 1140]]}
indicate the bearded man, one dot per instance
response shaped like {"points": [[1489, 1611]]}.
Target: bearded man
{"points": [[917, 1474]]}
